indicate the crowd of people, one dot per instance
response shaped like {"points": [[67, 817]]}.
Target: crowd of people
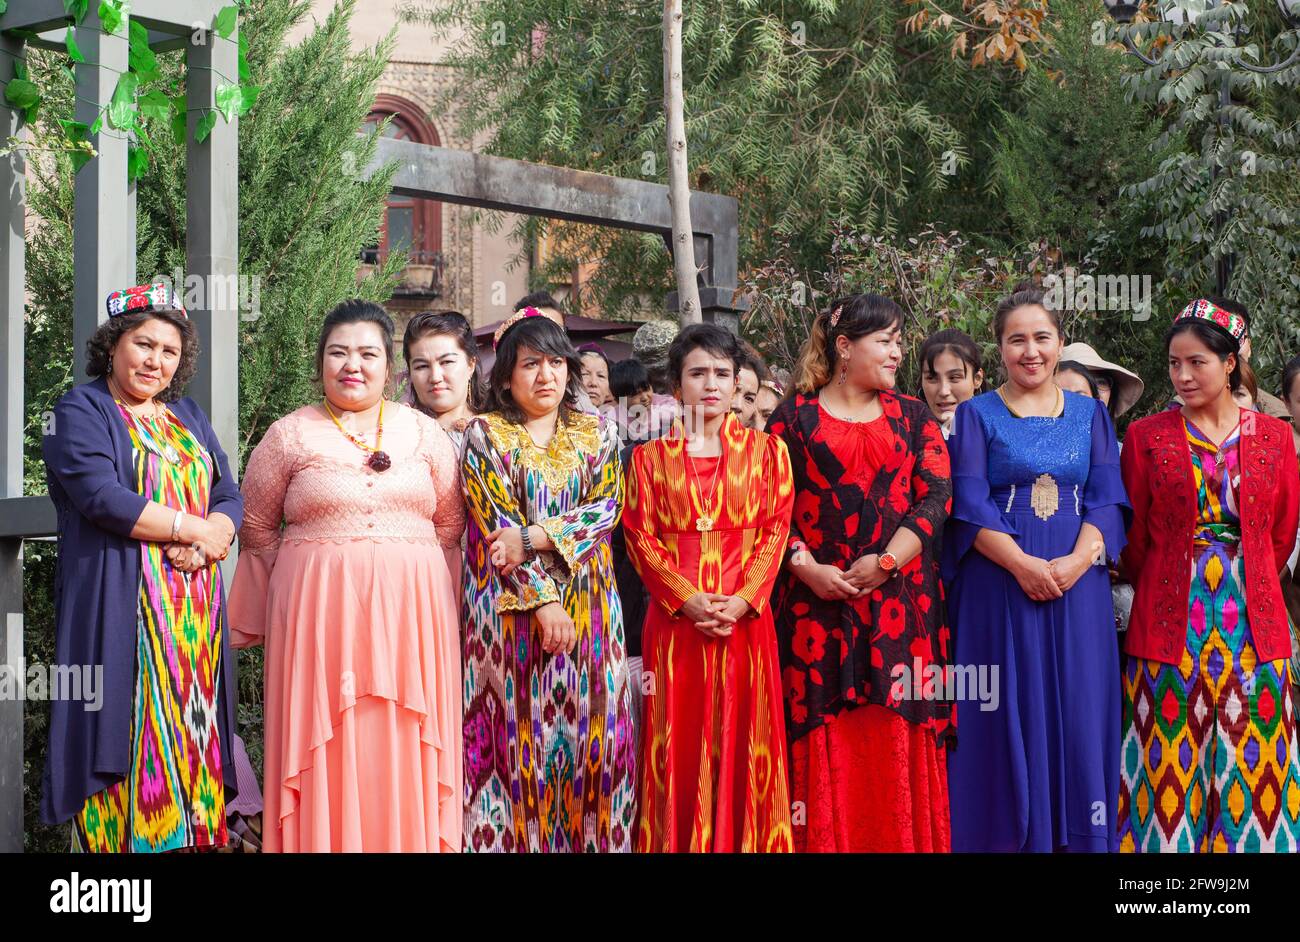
{"points": [[683, 601]]}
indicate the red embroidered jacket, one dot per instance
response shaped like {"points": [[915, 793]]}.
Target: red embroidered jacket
{"points": [[1157, 468]]}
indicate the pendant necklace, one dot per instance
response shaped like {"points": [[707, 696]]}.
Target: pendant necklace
{"points": [[705, 521], [149, 426], [378, 460]]}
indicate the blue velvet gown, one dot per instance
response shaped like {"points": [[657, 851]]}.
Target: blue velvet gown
{"points": [[1039, 771]]}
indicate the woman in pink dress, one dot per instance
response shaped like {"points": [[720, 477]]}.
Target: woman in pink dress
{"points": [[356, 607]]}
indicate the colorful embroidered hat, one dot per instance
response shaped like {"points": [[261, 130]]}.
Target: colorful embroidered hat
{"points": [[1205, 310], [511, 321], [143, 299]]}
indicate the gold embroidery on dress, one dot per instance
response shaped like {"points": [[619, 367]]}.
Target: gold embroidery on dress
{"points": [[566, 453], [1045, 498]]}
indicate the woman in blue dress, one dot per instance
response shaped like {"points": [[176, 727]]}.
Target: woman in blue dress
{"points": [[1038, 506]]}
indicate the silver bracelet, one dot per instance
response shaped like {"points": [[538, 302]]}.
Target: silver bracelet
{"points": [[176, 525]]}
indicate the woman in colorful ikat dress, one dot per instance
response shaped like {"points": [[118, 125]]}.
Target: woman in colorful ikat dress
{"points": [[860, 601], [1037, 504], [708, 513], [1209, 758], [548, 713], [147, 506]]}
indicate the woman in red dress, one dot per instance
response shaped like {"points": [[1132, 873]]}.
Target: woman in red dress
{"points": [[859, 611], [707, 516]]}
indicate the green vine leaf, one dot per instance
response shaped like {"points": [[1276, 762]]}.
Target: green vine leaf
{"points": [[4, 5], [137, 163], [21, 93], [112, 13], [80, 149], [20, 69], [156, 105], [74, 51], [245, 73], [205, 126], [229, 101], [77, 9], [179, 117], [121, 109], [141, 58], [225, 21]]}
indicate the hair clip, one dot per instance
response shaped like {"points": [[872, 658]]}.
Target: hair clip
{"points": [[835, 316]]}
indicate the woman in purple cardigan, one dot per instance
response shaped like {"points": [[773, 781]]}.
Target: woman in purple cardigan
{"points": [[146, 506]]}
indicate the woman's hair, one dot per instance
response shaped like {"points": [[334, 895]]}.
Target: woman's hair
{"points": [[859, 315], [1289, 374], [717, 340], [954, 341], [543, 335], [1022, 295], [751, 360], [628, 378], [1073, 366], [446, 324], [99, 348], [1248, 381], [537, 299], [1220, 342], [354, 311]]}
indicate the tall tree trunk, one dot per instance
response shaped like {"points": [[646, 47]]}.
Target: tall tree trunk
{"points": [[679, 184]]}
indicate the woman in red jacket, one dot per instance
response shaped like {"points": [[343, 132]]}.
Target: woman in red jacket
{"points": [[1209, 757]]}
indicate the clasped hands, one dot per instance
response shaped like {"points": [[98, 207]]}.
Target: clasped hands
{"points": [[506, 550], [834, 584], [715, 614], [212, 544], [1046, 579]]}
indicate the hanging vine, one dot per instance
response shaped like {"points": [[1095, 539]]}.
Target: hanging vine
{"points": [[141, 91]]}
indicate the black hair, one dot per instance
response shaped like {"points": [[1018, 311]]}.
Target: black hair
{"points": [[1024, 295], [859, 315], [354, 311], [100, 346], [538, 299], [751, 360], [545, 336], [628, 378], [446, 324], [1289, 374], [1074, 366], [717, 340], [1220, 342], [954, 341]]}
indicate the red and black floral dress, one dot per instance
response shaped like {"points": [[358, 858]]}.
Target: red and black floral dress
{"points": [[868, 722]]}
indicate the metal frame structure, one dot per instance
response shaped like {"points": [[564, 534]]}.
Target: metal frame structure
{"points": [[105, 260]]}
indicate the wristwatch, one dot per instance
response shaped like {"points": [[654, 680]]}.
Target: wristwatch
{"points": [[887, 561]]}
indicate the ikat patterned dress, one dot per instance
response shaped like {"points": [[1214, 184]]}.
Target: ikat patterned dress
{"points": [[172, 797], [549, 755], [1209, 756]]}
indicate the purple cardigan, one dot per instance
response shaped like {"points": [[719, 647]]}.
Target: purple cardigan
{"points": [[88, 466]]}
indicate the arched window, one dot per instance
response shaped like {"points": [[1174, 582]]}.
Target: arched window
{"points": [[410, 225]]}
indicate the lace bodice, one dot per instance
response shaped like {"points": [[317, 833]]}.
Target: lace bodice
{"points": [[305, 473]]}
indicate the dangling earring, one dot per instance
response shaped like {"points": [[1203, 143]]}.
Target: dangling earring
{"points": [[844, 370]]}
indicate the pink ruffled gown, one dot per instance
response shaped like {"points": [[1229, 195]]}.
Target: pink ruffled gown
{"points": [[358, 612]]}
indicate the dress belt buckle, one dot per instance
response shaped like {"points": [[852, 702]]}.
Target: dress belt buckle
{"points": [[1045, 497]]}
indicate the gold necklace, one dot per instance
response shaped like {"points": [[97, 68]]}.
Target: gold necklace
{"points": [[1056, 410], [705, 521], [158, 411], [378, 460]]}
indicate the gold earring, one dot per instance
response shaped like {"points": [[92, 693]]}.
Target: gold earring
{"points": [[844, 369]]}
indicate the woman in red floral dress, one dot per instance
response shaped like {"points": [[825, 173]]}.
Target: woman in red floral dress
{"points": [[859, 609]]}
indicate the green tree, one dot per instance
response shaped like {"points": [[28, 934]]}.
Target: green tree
{"points": [[305, 214], [807, 112]]}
